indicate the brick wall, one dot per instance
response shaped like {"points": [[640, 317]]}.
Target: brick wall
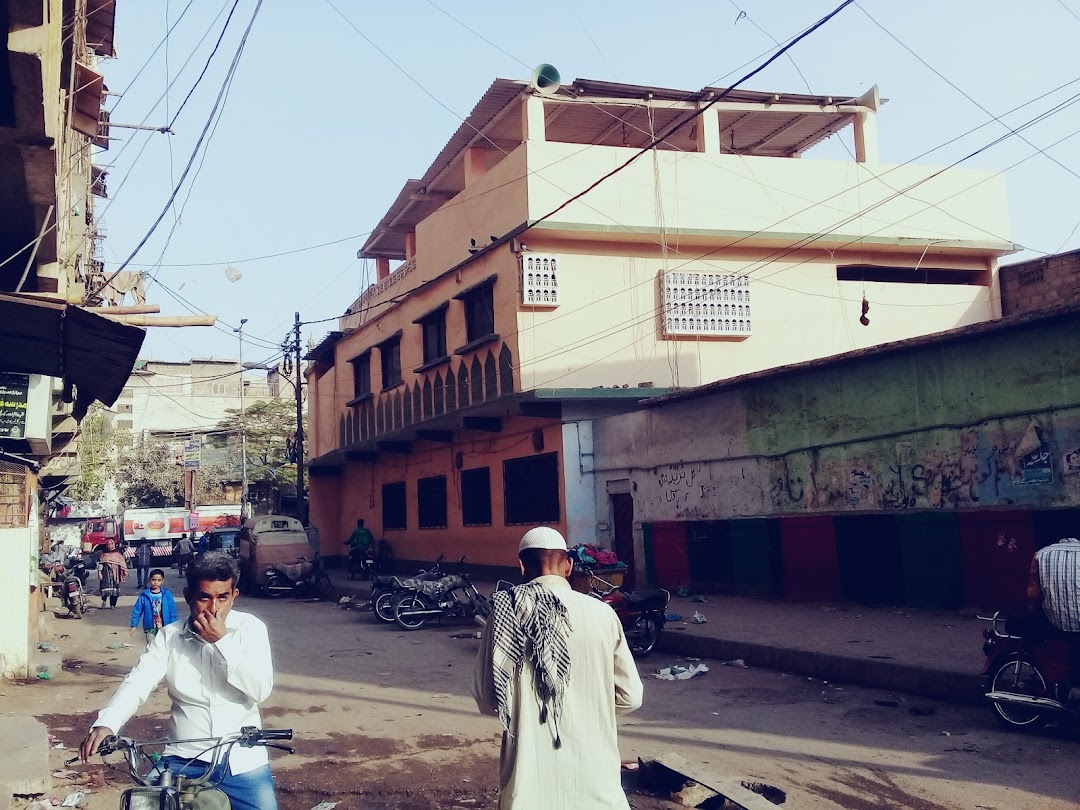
{"points": [[1040, 283]]}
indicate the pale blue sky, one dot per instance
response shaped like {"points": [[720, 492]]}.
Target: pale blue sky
{"points": [[320, 130]]}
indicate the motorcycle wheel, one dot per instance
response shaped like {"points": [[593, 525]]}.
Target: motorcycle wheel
{"points": [[276, 586], [643, 635], [1023, 677], [383, 607], [351, 573], [410, 601], [76, 608], [482, 607], [322, 587]]}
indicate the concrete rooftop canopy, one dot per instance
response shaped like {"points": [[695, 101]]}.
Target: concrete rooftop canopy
{"points": [[610, 114]]}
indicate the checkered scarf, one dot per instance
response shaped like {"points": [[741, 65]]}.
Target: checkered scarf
{"points": [[530, 621]]}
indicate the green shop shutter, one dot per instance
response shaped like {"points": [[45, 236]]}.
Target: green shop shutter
{"points": [[931, 560], [755, 557]]}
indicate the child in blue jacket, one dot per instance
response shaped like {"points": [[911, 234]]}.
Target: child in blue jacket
{"points": [[155, 607]]}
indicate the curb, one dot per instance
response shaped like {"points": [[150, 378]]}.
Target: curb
{"points": [[956, 687]]}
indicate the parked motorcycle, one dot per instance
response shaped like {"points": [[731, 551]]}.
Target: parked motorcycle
{"points": [[174, 792], [360, 563], [73, 596], [385, 589], [1027, 676], [301, 578], [642, 614], [450, 597], [78, 567]]}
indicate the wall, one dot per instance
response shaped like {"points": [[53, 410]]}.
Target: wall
{"points": [[1040, 284], [359, 495], [607, 329], [926, 428], [781, 196], [577, 453]]}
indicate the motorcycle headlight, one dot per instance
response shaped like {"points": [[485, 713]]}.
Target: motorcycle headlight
{"points": [[148, 798]]}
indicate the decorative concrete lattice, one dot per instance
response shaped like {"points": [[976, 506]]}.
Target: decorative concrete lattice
{"points": [[540, 274], [706, 304]]}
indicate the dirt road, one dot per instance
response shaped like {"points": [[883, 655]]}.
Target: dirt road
{"points": [[383, 719]]}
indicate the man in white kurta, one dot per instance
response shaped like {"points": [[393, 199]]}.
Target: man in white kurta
{"points": [[569, 759]]}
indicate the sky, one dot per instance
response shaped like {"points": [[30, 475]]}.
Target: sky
{"points": [[335, 104]]}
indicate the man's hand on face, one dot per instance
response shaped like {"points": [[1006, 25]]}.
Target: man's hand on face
{"points": [[209, 626], [90, 745]]}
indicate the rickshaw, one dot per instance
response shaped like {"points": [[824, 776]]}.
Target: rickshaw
{"points": [[267, 541]]}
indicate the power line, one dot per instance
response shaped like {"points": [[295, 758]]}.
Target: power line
{"points": [[959, 90], [198, 144], [206, 66]]}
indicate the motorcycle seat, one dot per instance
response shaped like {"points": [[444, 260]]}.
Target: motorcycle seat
{"points": [[640, 600], [295, 571]]}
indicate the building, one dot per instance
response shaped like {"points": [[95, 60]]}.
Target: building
{"points": [[902, 474], [165, 398], [455, 403], [56, 358], [1040, 284]]}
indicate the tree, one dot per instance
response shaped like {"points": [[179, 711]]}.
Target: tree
{"points": [[149, 475], [270, 428]]}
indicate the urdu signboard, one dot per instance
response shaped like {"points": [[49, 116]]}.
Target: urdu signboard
{"points": [[14, 395]]}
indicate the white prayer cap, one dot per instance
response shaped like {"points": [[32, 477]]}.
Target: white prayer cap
{"points": [[542, 537]]}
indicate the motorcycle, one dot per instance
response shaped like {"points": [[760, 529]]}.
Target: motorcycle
{"points": [[177, 792], [297, 579], [450, 597], [360, 563], [642, 614], [73, 596], [385, 589], [77, 566], [1027, 675]]}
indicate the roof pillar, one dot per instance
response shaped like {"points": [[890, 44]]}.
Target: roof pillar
{"points": [[707, 133], [382, 264], [410, 245], [532, 119], [475, 164]]}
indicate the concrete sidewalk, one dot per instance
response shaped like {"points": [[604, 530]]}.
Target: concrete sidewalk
{"points": [[923, 652]]}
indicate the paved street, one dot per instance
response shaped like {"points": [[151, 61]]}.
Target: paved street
{"points": [[383, 719]]}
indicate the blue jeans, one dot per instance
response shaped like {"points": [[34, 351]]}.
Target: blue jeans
{"points": [[253, 790]]}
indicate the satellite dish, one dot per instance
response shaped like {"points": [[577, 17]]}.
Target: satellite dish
{"points": [[232, 274], [546, 79]]}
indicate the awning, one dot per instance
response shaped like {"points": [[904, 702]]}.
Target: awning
{"points": [[89, 90], [93, 353], [100, 25]]}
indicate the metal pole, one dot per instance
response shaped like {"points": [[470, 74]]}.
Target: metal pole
{"points": [[301, 500], [243, 427]]}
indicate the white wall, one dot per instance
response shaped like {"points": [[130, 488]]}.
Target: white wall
{"points": [[18, 563], [578, 482]]}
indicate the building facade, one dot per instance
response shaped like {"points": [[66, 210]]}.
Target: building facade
{"points": [[1040, 284], [456, 402]]}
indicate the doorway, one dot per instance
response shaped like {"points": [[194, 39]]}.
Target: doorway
{"points": [[622, 509]]}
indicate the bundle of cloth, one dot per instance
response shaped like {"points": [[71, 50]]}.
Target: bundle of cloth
{"points": [[593, 555]]}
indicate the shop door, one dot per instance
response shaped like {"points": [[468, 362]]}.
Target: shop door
{"points": [[622, 509]]}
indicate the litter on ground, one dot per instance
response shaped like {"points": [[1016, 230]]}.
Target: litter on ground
{"points": [[678, 673]]}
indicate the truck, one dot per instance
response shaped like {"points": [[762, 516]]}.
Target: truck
{"points": [[97, 531], [165, 525]]}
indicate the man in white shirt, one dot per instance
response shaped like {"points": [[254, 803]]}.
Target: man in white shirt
{"points": [[218, 669], [555, 667]]}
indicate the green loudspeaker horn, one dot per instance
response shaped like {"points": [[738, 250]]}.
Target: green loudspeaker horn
{"points": [[546, 79]]}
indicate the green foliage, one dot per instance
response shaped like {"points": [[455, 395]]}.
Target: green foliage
{"points": [[270, 428]]}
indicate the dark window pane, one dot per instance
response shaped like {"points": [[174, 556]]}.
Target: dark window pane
{"points": [[431, 502], [476, 497], [435, 337], [531, 489], [361, 374], [393, 506], [390, 354], [480, 313]]}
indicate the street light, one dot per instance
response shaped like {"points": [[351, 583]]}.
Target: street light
{"points": [[243, 427]]}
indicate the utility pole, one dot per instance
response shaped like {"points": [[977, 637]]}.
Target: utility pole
{"points": [[301, 500], [243, 428]]}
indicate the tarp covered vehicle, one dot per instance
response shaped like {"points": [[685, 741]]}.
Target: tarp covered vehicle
{"points": [[267, 541]]}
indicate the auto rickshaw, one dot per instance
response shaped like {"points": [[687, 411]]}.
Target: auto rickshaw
{"points": [[266, 541]]}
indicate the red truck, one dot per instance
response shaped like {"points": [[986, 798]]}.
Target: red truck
{"points": [[98, 531]]}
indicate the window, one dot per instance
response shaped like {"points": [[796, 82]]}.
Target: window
{"points": [[361, 371], [393, 506], [434, 326], [123, 424], [911, 275], [476, 497], [126, 394], [431, 502], [480, 313], [531, 489], [390, 355], [123, 408]]}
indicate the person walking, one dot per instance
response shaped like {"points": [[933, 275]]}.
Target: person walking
{"points": [[218, 669], [555, 668], [185, 552], [112, 571], [154, 608], [144, 558]]}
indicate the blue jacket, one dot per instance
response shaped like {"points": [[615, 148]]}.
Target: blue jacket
{"points": [[144, 610]]}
